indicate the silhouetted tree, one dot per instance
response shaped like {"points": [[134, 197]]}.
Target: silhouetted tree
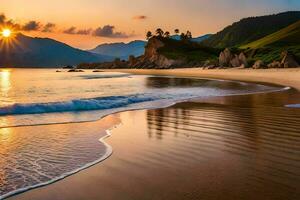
{"points": [[149, 35], [183, 36], [186, 36], [167, 34], [176, 31], [159, 32], [189, 35]]}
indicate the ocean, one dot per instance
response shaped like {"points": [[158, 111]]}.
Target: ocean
{"points": [[48, 119]]}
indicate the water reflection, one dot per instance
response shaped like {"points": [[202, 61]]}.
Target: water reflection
{"points": [[161, 119], [172, 82], [163, 82], [263, 141], [5, 81]]}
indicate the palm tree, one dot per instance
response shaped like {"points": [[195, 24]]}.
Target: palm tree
{"points": [[159, 32], [176, 31], [189, 35], [183, 36], [149, 35], [167, 34]]}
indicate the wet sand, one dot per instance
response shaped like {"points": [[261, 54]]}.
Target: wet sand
{"points": [[288, 77], [241, 147]]}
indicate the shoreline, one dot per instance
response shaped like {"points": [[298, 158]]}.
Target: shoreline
{"points": [[285, 77], [188, 73]]}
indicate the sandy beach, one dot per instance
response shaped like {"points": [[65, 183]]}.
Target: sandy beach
{"points": [[241, 147]]}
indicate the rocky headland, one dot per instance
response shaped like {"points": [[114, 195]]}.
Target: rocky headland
{"points": [[157, 50]]}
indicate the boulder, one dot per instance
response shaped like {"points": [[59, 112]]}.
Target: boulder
{"points": [[235, 62], [212, 67], [275, 64], [132, 60], [243, 66], [210, 64], [225, 58], [289, 60], [75, 70], [243, 60], [259, 65]]}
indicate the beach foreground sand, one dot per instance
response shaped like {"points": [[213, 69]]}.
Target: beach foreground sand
{"points": [[241, 147]]}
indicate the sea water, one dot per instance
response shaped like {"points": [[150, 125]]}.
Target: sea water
{"points": [[47, 118]]}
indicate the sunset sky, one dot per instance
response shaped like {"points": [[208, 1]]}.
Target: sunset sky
{"points": [[87, 23]]}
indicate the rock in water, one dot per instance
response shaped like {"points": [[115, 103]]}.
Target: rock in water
{"points": [[259, 65]]}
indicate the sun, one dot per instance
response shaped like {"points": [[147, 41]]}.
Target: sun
{"points": [[6, 33]]}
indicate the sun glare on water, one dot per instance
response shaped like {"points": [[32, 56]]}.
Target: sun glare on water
{"points": [[6, 33]]}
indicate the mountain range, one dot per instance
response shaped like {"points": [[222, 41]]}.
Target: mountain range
{"points": [[24, 51], [121, 50]]}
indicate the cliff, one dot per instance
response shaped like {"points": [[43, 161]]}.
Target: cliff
{"points": [[164, 53]]}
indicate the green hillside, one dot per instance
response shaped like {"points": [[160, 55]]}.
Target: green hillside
{"points": [[186, 50], [269, 48], [251, 29], [289, 36]]}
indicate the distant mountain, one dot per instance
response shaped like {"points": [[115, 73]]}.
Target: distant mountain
{"points": [[251, 29], [24, 51], [201, 38], [121, 50], [197, 39], [288, 36]]}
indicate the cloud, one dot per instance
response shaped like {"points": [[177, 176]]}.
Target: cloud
{"points": [[71, 30], [31, 26], [2, 18], [84, 31], [108, 31], [140, 17], [49, 27]]}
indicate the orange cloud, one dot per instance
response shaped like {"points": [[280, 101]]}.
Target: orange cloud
{"points": [[140, 17]]}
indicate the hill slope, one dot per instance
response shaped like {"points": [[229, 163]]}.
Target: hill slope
{"points": [[188, 51], [24, 51], [250, 29], [289, 36], [121, 50]]}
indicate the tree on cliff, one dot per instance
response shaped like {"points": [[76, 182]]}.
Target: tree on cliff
{"points": [[183, 36], [189, 35], [176, 31], [186, 36], [167, 34], [149, 35], [159, 32]]}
